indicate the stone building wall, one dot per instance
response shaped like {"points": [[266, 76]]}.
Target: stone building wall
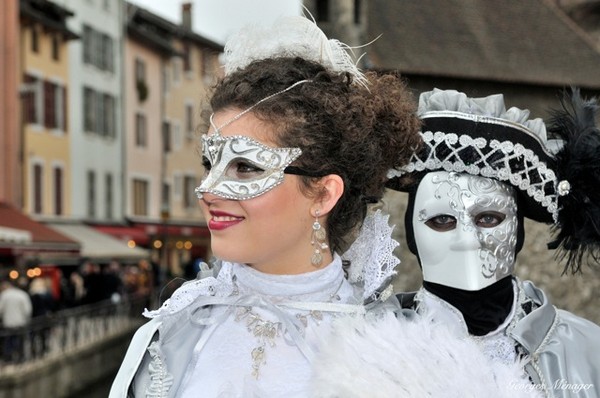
{"points": [[579, 294]]}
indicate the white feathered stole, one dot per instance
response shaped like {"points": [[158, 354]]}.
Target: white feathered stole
{"points": [[394, 357]]}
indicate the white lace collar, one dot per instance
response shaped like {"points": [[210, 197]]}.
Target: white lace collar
{"points": [[306, 284]]}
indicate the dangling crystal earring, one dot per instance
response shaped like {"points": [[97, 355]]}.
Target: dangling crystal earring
{"points": [[317, 239]]}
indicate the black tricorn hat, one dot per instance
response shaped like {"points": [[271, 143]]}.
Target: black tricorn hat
{"points": [[557, 181]]}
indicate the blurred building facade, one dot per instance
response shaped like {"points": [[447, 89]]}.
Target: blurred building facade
{"points": [[99, 130], [169, 70]]}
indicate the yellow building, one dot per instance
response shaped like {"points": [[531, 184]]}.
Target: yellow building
{"points": [[44, 90], [169, 71]]}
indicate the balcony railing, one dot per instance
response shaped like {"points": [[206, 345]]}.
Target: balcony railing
{"points": [[67, 331]]}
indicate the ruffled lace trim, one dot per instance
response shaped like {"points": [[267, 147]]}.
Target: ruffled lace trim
{"points": [[372, 261], [221, 286], [491, 106], [161, 380]]}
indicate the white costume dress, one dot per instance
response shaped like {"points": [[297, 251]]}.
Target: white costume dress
{"points": [[320, 334], [244, 333]]}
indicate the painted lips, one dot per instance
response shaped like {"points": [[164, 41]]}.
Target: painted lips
{"points": [[220, 220]]}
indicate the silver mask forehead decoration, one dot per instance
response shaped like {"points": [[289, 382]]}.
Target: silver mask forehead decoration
{"points": [[242, 168]]}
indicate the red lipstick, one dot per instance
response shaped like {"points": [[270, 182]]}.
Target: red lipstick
{"points": [[221, 220]]}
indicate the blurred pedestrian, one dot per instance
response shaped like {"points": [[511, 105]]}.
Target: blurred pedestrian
{"points": [[41, 297], [113, 282], [93, 283], [43, 305], [15, 313]]}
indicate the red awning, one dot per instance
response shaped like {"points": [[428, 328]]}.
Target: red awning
{"points": [[45, 241], [125, 233], [172, 229]]}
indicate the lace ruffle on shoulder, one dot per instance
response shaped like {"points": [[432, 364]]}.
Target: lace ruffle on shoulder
{"points": [[372, 261], [221, 286]]}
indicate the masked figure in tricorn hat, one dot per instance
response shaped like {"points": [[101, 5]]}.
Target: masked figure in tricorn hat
{"points": [[481, 171]]}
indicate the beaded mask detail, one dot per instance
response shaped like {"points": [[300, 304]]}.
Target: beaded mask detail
{"points": [[241, 168]]}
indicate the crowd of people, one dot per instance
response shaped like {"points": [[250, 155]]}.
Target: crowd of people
{"points": [[30, 303]]}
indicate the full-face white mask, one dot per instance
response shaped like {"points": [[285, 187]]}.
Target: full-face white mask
{"points": [[465, 229]]}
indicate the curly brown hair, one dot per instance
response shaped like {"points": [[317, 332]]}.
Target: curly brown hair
{"points": [[342, 127]]}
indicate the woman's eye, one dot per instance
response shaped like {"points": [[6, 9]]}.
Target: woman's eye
{"points": [[244, 167], [441, 223], [489, 219], [243, 170]]}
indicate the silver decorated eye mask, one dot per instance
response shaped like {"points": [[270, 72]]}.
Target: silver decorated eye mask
{"points": [[242, 168]]}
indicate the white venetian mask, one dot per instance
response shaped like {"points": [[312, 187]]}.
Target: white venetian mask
{"points": [[465, 228], [242, 168]]}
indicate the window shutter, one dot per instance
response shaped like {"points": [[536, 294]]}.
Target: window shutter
{"points": [[29, 101], [49, 119], [64, 110]]}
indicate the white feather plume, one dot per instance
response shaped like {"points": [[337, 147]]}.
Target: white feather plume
{"points": [[292, 36], [411, 358]]}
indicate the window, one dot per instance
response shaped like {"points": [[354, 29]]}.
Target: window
{"points": [[357, 10], [322, 10], [176, 138], [100, 120], [106, 61], [54, 106], [176, 70], [140, 70], [189, 196], [109, 126], [189, 120], [165, 196], [166, 135], [99, 112], [141, 135], [49, 104], [91, 194], [140, 79], [55, 47], [204, 63], [97, 49], [89, 109], [108, 200], [165, 79], [32, 100], [58, 191], [178, 182], [35, 40], [87, 43], [140, 197], [37, 197], [187, 64]]}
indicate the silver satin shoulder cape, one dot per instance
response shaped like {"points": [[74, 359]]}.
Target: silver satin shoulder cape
{"points": [[563, 349]]}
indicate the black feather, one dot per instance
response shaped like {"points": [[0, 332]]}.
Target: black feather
{"points": [[578, 228]]}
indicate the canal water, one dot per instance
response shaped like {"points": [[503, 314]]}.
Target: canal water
{"points": [[100, 389]]}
